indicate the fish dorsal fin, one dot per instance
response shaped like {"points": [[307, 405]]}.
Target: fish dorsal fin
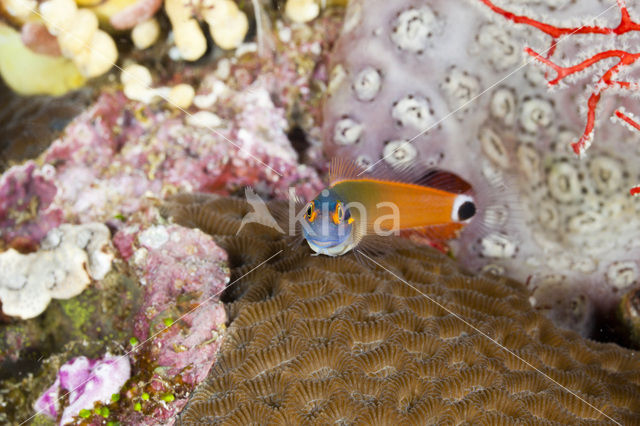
{"points": [[342, 169], [446, 181]]}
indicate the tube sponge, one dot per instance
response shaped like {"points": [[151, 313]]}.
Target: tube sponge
{"points": [[69, 257]]}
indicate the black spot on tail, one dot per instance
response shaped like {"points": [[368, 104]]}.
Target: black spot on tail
{"points": [[466, 211]]}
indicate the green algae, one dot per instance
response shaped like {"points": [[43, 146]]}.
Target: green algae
{"points": [[98, 320], [78, 312]]}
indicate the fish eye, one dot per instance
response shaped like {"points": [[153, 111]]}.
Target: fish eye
{"points": [[311, 212], [338, 215]]}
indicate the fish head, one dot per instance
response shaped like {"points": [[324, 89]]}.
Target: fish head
{"points": [[328, 224]]}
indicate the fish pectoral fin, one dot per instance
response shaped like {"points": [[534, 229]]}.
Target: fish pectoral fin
{"points": [[437, 234]]}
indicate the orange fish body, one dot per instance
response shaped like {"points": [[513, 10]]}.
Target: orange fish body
{"points": [[356, 205]]}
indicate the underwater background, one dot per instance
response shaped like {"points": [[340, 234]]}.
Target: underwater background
{"points": [[133, 291]]}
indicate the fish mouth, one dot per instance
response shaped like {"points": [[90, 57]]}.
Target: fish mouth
{"points": [[324, 244]]}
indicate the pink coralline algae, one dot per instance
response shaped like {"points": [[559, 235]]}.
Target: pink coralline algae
{"points": [[120, 152], [443, 84], [184, 273], [26, 194], [84, 382]]}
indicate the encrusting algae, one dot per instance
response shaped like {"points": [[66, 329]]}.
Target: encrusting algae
{"points": [[318, 340]]}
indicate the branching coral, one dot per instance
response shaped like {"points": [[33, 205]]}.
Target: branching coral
{"points": [[397, 366], [607, 79]]}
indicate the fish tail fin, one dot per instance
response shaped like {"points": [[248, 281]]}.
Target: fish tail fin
{"points": [[436, 235]]}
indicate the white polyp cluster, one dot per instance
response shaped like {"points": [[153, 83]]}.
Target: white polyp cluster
{"points": [[145, 33], [413, 28], [413, 111], [566, 304], [498, 46], [494, 148], [503, 106], [302, 10], [92, 50], [586, 222], [363, 161], [563, 183], [399, 153], [367, 84], [548, 215], [623, 274], [497, 246], [460, 89], [606, 174], [529, 162], [347, 131], [536, 114]]}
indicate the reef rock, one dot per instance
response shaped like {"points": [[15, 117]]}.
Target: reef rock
{"points": [[180, 320], [443, 83], [69, 257], [410, 338]]}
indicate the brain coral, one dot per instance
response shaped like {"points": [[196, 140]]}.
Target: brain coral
{"points": [[319, 340], [444, 83]]}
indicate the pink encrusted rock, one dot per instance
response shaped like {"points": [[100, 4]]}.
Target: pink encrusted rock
{"points": [[109, 160], [184, 273], [84, 381], [26, 193]]}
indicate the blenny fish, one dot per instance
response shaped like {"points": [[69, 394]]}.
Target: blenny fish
{"points": [[358, 204]]}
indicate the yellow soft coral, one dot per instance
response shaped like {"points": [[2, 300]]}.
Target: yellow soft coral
{"points": [[30, 73], [92, 50], [308, 10]]}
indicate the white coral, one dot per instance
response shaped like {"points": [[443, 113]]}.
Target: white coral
{"points": [[399, 153], [413, 111], [367, 84], [413, 28], [69, 257]]}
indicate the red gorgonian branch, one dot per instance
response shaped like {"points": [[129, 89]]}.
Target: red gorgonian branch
{"points": [[606, 81], [629, 120]]}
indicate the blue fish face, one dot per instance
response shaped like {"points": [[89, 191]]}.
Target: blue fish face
{"points": [[328, 225]]}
